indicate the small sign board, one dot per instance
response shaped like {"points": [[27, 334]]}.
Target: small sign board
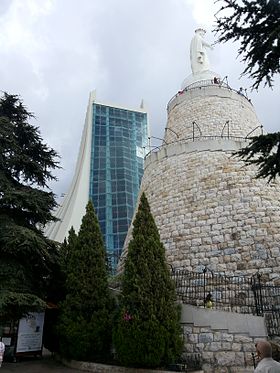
{"points": [[30, 333]]}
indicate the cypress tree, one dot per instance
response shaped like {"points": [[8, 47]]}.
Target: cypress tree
{"points": [[86, 314], [147, 333]]}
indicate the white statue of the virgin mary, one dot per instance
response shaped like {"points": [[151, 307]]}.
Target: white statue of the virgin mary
{"points": [[199, 60], [198, 55]]}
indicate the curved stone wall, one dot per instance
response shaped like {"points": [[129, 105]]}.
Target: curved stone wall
{"points": [[209, 208], [211, 211], [210, 107]]}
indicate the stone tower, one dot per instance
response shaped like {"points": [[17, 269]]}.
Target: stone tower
{"points": [[209, 208]]}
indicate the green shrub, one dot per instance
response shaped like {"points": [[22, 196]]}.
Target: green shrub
{"points": [[147, 332], [85, 325]]}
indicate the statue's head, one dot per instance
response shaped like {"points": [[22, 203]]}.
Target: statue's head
{"points": [[200, 31]]}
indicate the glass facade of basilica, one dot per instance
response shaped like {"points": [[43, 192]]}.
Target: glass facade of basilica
{"points": [[119, 140]]}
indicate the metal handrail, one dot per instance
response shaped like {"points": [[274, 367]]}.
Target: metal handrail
{"points": [[194, 123], [261, 126], [227, 123], [167, 128], [158, 138], [205, 137], [206, 83]]}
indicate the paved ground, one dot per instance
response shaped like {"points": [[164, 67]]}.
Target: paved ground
{"points": [[36, 365]]}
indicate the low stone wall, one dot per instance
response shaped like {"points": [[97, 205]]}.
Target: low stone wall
{"points": [[220, 351], [102, 368], [224, 340]]}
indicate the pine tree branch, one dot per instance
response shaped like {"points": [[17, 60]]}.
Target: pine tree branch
{"points": [[264, 152]]}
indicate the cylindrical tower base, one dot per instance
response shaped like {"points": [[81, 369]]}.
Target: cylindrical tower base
{"points": [[209, 207]]}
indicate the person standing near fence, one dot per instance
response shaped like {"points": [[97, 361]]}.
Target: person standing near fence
{"points": [[266, 364], [2, 350], [209, 301]]}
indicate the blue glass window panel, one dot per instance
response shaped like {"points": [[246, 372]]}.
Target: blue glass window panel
{"points": [[102, 187], [96, 163], [129, 199], [122, 212], [114, 186], [127, 163], [103, 226], [102, 198], [102, 174], [120, 186], [125, 133], [130, 213], [101, 212], [113, 173], [128, 186], [122, 225], [115, 137], [122, 239], [102, 163], [103, 110], [102, 140], [119, 162], [116, 241], [113, 162], [115, 212], [120, 173], [95, 176]]}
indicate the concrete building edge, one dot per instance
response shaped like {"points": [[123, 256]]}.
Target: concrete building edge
{"points": [[79, 188]]}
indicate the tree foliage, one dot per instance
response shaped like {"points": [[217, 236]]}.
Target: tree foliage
{"points": [[56, 293], [25, 168], [147, 332], [85, 324], [268, 149], [255, 24]]}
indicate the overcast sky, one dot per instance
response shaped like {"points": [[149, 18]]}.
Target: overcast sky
{"points": [[54, 52]]}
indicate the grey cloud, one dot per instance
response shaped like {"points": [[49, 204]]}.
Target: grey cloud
{"points": [[127, 50], [4, 6]]}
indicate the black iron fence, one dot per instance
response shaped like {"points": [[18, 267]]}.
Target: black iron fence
{"points": [[188, 362], [245, 294]]}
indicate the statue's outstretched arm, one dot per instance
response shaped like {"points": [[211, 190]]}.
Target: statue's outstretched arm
{"points": [[205, 44]]}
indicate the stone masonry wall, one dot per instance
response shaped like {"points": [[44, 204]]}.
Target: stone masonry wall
{"points": [[221, 351], [209, 208], [210, 107], [224, 341], [211, 211]]}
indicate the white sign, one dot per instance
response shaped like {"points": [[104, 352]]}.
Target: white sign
{"points": [[30, 332]]}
